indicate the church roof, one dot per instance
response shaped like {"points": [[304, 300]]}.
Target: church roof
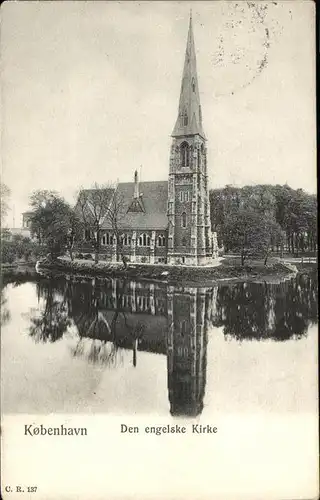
{"points": [[189, 121], [153, 197]]}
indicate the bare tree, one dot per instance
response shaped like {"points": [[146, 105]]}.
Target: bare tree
{"points": [[115, 215], [93, 205], [101, 206]]}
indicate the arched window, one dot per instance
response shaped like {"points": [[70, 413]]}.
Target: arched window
{"points": [[184, 242], [161, 240], [184, 220], [108, 239], [126, 239], [184, 196], [193, 85], [144, 240], [184, 154], [183, 328], [199, 157]]}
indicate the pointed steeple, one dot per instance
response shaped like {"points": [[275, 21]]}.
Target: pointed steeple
{"points": [[189, 121]]}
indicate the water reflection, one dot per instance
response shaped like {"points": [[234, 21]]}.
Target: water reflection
{"points": [[268, 311], [53, 320], [189, 312], [110, 316]]}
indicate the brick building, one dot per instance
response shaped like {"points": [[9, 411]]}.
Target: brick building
{"points": [[167, 221]]}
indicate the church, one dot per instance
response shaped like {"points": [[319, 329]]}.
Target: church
{"points": [[168, 221]]}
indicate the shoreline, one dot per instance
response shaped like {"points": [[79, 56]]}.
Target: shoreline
{"points": [[166, 274], [205, 276]]}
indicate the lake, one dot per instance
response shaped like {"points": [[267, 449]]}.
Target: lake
{"points": [[79, 345]]}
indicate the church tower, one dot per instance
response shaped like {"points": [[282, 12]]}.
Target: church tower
{"points": [[189, 232]]}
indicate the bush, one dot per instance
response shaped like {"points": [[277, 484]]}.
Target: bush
{"points": [[104, 257], [8, 255], [20, 248], [87, 256]]}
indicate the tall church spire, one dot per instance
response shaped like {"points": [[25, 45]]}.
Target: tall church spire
{"points": [[189, 121], [189, 228]]}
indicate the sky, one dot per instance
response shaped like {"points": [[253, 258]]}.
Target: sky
{"points": [[90, 92]]}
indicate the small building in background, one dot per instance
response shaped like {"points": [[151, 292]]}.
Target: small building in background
{"points": [[8, 233]]}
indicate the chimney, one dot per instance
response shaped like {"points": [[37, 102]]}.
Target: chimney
{"points": [[136, 184]]}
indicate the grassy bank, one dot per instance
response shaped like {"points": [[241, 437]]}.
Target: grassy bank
{"points": [[200, 276], [18, 266], [18, 272], [306, 267]]}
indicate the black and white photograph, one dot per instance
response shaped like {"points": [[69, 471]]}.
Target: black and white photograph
{"points": [[159, 287]]}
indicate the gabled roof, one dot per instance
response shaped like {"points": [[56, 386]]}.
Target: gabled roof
{"points": [[153, 198], [136, 205]]}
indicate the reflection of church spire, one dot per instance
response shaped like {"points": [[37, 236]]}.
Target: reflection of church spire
{"points": [[187, 349]]}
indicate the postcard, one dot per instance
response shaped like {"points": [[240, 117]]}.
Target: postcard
{"points": [[159, 286]]}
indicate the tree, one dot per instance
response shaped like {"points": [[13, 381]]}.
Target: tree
{"points": [[74, 228], [301, 220], [249, 233], [271, 236], [99, 207], [54, 221], [114, 215], [91, 206], [38, 201], [295, 212], [223, 202], [20, 247]]}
